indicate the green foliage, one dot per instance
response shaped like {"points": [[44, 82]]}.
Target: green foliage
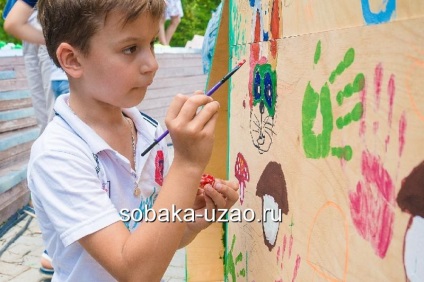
{"points": [[197, 14], [3, 35]]}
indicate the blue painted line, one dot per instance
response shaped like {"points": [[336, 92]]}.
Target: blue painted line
{"points": [[12, 179], [16, 114], [18, 138], [378, 17], [4, 75], [14, 95]]}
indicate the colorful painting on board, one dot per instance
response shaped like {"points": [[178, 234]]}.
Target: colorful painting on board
{"points": [[326, 126]]}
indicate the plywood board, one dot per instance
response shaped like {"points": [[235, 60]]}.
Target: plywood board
{"points": [[324, 127], [298, 17]]}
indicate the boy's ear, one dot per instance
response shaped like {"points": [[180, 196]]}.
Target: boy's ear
{"points": [[68, 58]]}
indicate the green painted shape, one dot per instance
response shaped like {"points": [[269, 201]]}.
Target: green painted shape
{"points": [[354, 115], [347, 61], [349, 58], [342, 152], [357, 112], [235, 18], [316, 145], [230, 268], [359, 83], [357, 86], [231, 262], [317, 55]]}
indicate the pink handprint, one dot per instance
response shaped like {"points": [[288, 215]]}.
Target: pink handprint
{"points": [[281, 251], [372, 203]]}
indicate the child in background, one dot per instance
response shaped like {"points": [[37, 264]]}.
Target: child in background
{"points": [[21, 22], [86, 167], [174, 12]]}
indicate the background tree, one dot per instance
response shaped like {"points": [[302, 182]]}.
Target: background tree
{"points": [[197, 14]]}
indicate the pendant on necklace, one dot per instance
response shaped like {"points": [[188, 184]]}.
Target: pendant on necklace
{"points": [[137, 191]]}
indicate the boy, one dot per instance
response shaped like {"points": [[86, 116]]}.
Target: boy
{"points": [[87, 167]]}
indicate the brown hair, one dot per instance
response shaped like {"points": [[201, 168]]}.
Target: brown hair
{"points": [[76, 21]]}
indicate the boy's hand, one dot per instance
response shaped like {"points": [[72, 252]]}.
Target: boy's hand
{"points": [[192, 131], [223, 195]]}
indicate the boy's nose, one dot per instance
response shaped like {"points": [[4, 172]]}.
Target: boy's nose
{"points": [[149, 63]]}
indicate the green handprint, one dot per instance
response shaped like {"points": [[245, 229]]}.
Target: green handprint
{"points": [[318, 146], [231, 263]]}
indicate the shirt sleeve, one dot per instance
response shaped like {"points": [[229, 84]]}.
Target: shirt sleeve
{"points": [[69, 192], [31, 3]]}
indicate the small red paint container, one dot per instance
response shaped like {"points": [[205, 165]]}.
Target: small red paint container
{"points": [[207, 179]]}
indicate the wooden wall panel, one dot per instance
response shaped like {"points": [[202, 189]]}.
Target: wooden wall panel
{"points": [[310, 16], [325, 126]]}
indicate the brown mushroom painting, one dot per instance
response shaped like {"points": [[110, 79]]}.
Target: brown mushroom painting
{"points": [[325, 134], [271, 188], [411, 200]]}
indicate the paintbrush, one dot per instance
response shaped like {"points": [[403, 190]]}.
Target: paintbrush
{"points": [[209, 93]]}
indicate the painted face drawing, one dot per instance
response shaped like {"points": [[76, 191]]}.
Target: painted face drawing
{"points": [[411, 200], [263, 75], [262, 111], [273, 191]]}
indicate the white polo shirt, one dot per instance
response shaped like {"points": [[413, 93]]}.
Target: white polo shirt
{"points": [[79, 184]]}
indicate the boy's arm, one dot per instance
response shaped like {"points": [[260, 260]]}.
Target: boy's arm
{"points": [[146, 253], [16, 24]]}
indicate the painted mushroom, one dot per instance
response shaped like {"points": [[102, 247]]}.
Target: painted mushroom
{"points": [[242, 175], [411, 200], [273, 191]]}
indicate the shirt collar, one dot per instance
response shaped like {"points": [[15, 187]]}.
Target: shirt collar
{"points": [[146, 130]]}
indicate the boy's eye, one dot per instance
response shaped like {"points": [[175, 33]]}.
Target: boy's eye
{"points": [[130, 50], [152, 43]]}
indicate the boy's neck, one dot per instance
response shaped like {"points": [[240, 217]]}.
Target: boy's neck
{"points": [[95, 113]]}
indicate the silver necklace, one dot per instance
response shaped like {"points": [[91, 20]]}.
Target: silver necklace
{"points": [[136, 190]]}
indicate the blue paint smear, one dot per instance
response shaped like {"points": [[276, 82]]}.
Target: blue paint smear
{"points": [[268, 89], [252, 3], [380, 17], [265, 36]]}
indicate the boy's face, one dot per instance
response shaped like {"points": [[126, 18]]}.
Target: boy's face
{"points": [[120, 64]]}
